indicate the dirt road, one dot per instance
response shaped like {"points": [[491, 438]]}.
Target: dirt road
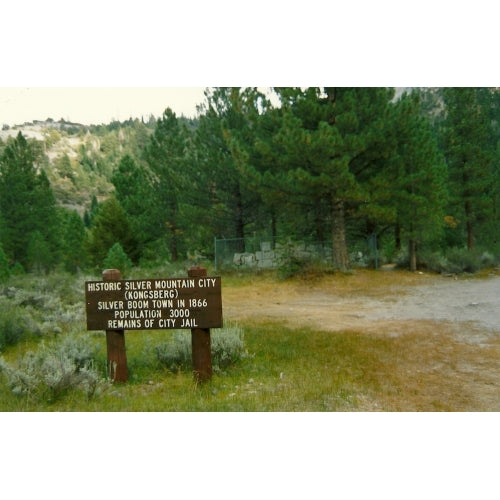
{"points": [[474, 302], [454, 322]]}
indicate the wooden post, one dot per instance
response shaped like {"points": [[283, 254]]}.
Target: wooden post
{"points": [[200, 340], [115, 341]]}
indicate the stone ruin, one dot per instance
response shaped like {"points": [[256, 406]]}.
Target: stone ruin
{"points": [[268, 258]]}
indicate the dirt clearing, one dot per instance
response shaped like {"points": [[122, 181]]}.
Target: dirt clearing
{"points": [[445, 329]]}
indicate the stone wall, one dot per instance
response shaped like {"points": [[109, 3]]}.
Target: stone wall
{"points": [[267, 258]]}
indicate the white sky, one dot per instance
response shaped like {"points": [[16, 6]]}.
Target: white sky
{"points": [[94, 105], [96, 62]]}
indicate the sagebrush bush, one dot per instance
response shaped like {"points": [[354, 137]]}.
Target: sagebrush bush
{"points": [[464, 260], [50, 302], [51, 372], [16, 324], [227, 346], [454, 261], [175, 354]]}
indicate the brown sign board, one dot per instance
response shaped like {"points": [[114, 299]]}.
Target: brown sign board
{"points": [[154, 304]]}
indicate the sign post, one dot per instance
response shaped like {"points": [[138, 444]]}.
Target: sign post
{"points": [[115, 341], [116, 305], [200, 340]]}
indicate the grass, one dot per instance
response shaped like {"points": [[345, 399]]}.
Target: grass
{"points": [[289, 369]]}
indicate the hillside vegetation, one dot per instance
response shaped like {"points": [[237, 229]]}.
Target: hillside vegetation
{"points": [[79, 160]]}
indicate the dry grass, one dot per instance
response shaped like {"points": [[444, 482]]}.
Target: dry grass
{"points": [[410, 365], [429, 370]]}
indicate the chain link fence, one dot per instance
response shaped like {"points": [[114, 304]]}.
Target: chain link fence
{"points": [[262, 253], [259, 253]]}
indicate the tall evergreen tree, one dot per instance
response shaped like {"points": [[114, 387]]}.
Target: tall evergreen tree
{"points": [[166, 157], [74, 238], [89, 215], [224, 140], [39, 257], [135, 192], [489, 100], [419, 173], [469, 155], [45, 216], [331, 141], [27, 203], [17, 186]]}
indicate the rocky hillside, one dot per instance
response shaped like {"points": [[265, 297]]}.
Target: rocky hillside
{"points": [[79, 160]]}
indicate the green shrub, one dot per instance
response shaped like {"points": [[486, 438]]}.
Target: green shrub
{"points": [[4, 266], [227, 346], [17, 269], [50, 373], [175, 354], [463, 260], [432, 261], [15, 324], [455, 260], [291, 262], [291, 266], [487, 260], [52, 303], [117, 259]]}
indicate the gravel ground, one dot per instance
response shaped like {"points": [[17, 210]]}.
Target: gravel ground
{"points": [[454, 325], [447, 299]]}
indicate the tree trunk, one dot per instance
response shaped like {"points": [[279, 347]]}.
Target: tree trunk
{"points": [[240, 225], [413, 255], [173, 245], [397, 237], [339, 243], [274, 229], [173, 231], [470, 226], [319, 223]]}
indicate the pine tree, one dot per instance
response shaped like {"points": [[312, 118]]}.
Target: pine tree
{"points": [[419, 173], [39, 256], [17, 185], [110, 226], [45, 217], [469, 155], [224, 142], [166, 157], [330, 143], [135, 192], [27, 203], [63, 166], [74, 239], [89, 215], [116, 258]]}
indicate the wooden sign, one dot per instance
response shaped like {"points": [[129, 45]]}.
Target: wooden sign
{"points": [[154, 304]]}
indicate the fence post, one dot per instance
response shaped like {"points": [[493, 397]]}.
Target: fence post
{"points": [[200, 340], [215, 252], [115, 341]]}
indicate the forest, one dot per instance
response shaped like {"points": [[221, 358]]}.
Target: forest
{"points": [[410, 175]]}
